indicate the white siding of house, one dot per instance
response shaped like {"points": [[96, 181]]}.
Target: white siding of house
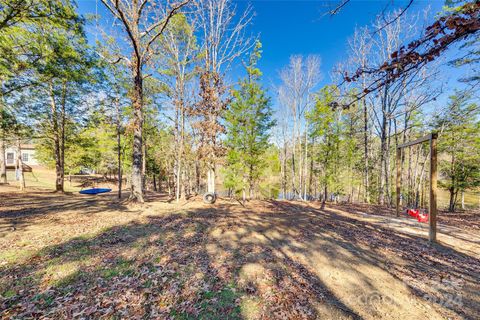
{"points": [[32, 161]]}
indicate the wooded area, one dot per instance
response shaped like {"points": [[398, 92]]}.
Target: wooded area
{"points": [[150, 101], [166, 103]]}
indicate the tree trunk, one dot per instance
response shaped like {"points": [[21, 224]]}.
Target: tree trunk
{"points": [[451, 207], [197, 177], [293, 156], [56, 140], [20, 175], [324, 198], [182, 164], [451, 204], [211, 178], [3, 166], [177, 165], [137, 154], [62, 131], [310, 180], [387, 166], [284, 171], [119, 150], [305, 166], [383, 148], [366, 181]]}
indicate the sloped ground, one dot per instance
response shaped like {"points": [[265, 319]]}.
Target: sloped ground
{"points": [[94, 257]]}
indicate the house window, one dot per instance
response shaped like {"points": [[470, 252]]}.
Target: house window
{"points": [[10, 156], [25, 157]]}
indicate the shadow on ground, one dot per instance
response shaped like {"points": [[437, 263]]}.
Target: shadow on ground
{"points": [[275, 260]]}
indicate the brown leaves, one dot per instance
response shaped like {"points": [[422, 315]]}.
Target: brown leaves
{"points": [[209, 111], [437, 38]]}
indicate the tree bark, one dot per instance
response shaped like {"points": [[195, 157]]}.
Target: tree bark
{"points": [[63, 116], [211, 178], [452, 189], [305, 166], [119, 149], [325, 195], [3, 166], [137, 154], [383, 146], [197, 177], [21, 177], [284, 171], [366, 181], [56, 140]]}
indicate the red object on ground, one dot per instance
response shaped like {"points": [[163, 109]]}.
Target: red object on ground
{"points": [[413, 213], [422, 217]]}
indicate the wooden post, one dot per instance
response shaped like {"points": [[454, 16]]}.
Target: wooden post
{"points": [[398, 164], [432, 220], [432, 216]]}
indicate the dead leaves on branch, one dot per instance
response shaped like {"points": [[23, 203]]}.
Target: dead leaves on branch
{"points": [[209, 111], [438, 37]]}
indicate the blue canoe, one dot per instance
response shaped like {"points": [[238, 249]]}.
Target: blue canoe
{"points": [[95, 191]]}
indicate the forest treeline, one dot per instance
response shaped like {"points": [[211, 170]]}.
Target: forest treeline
{"points": [[150, 99]]}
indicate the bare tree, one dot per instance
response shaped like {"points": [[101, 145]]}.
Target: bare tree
{"points": [[299, 79], [360, 48], [458, 26], [179, 54], [144, 21], [224, 40], [396, 101]]}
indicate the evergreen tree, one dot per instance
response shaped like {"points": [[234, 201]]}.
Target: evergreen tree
{"points": [[248, 121], [63, 78], [326, 128]]}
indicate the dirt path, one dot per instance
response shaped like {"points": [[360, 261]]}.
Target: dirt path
{"points": [[465, 240], [73, 256]]}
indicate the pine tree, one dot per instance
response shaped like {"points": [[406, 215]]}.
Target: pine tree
{"points": [[63, 77], [248, 121], [326, 128]]}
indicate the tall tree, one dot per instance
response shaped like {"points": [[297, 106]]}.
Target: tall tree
{"points": [[21, 22], [299, 79], [223, 41], [180, 55], [459, 128], [7, 123], [66, 71], [360, 46], [248, 121], [144, 21], [322, 118]]}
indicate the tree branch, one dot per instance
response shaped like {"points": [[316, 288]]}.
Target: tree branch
{"points": [[164, 25]]}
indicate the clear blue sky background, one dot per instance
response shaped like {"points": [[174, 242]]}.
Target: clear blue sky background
{"points": [[288, 27], [303, 27]]}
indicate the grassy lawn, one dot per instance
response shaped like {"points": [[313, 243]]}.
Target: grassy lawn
{"points": [[94, 257], [41, 178], [44, 179]]}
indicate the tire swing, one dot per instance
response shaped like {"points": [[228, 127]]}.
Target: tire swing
{"points": [[209, 197]]}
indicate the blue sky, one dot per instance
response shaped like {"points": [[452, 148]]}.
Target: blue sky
{"points": [[302, 27], [288, 27]]}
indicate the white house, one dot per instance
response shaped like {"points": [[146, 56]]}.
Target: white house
{"points": [[28, 155]]}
